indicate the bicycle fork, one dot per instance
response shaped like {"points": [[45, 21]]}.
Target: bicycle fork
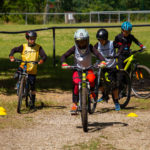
{"points": [[83, 84]]}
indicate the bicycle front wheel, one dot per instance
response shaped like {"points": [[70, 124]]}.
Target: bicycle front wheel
{"points": [[21, 94], [140, 79], [84, 113], [124, 89], [92, 104]]}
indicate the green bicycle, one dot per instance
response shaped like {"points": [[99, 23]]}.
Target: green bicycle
{"points": [[139, 74], [85, 104]]}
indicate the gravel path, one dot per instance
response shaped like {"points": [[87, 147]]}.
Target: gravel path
{"points": [[57, 129]]}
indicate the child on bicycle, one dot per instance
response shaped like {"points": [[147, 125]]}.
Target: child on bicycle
{"points": [[82, 51], [106, 48], [29, 52], [123, 42]]}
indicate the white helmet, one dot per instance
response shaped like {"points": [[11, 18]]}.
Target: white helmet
{"points": [[81, 38]]}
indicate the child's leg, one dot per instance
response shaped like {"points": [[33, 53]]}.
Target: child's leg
{"points": [[91, 77], [76, 81], [32, 80]]}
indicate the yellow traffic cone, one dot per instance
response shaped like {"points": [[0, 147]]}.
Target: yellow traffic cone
{"points": [[132, 115], [2, 111]]}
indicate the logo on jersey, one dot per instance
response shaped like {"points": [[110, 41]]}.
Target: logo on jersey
{"points": [[27, 51]]}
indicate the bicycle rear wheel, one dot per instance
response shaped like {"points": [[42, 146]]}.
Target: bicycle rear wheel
{"points": [[84, 112], [92, 104], [124, 89], [140, 79], [22, 95]]}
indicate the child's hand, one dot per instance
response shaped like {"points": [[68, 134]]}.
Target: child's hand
{"points": [[12, 58], [40, 62], [64, 65], [144, 47], [102, 64]]}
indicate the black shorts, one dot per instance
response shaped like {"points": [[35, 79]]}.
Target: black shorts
{"points": [[31, 81], [111, 76]]}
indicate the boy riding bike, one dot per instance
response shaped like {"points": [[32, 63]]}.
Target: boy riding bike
{"points": [[123, 42], [82, 51], [106, 49], [29, 52]]}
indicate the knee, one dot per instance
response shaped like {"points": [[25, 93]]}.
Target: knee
{"points": [[91, 77]]}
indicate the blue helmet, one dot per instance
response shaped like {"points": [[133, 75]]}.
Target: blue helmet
{"points": [[127, 26]]}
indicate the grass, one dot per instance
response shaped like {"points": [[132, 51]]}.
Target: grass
{"points": [[49, 77], [26, 118], [93, 144]]}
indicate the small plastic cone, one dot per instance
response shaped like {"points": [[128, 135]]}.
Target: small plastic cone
{"points": [[2, 111], [132, 115]]}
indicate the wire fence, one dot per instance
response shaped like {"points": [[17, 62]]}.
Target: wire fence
{"points": [[72, 17], [66, 27]]}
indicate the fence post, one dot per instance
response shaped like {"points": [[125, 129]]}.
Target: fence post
{"points": [[90, 17], [109, 18], [54, 60], [98, 17], [119, 17], [26, 20], [129, 17]]}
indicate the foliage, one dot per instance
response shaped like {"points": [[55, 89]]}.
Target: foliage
{"points": [[29, 6]]}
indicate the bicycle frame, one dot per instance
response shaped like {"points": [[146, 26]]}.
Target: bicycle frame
{"points": [[83, 84], [128, 62], [22, 75]]}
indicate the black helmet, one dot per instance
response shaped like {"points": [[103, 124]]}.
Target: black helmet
{"points": [[102, 34], [31, 34]]}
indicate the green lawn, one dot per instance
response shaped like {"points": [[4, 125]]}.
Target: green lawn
{"points": [[48, 76]]}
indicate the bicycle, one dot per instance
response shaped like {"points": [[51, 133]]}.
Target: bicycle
{"points": [[85, 104], [139, 74], [109, 81], [23, 86]]}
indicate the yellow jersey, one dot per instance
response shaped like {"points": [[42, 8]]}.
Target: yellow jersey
{"points": [[30, 54]]}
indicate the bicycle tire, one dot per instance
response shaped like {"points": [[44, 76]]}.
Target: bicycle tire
{"points": [[140, 82], [84, 112], [92, 104], [124, 89], [20, 95]]}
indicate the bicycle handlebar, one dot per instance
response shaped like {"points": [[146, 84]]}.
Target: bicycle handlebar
{"points": [[83, 68], [19, 60], [132, 52], [140, 50]]}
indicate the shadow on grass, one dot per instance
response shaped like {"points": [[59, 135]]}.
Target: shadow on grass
{"points": [[48, 77], [42, 106], [96, 126]]}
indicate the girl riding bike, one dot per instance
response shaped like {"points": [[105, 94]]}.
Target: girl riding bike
{"points": [[29, 52], [82, 51]]}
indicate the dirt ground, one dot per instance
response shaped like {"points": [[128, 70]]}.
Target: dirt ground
{"points": [[52, 127]]}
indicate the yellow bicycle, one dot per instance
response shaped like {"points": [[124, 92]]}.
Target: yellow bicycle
{"points": [[139, 74]]}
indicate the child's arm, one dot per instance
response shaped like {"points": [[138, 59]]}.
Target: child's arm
{"points": [[97, 54], [42, 55], [67, 54], [15, 50], [137, 42]]}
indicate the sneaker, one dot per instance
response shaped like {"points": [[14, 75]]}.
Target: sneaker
{"points": [[16, 86], [103, 98], [117, 106], [74, 108]]}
